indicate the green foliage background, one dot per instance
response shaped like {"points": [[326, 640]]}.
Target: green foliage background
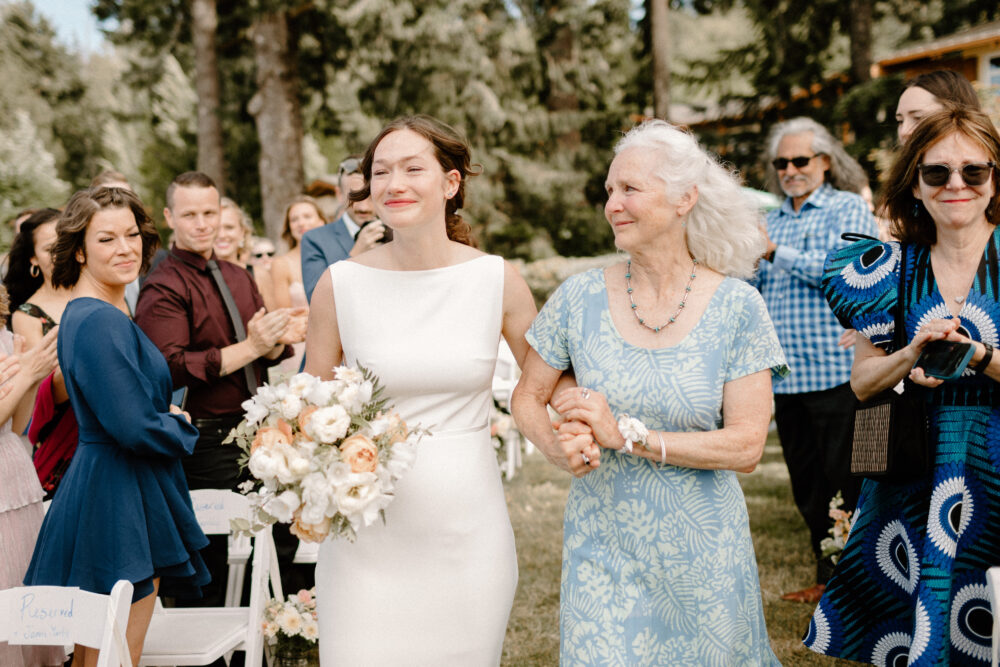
{"points": [[541, 88]]}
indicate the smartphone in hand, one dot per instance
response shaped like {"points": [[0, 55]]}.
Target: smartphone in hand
{"points": [[179, 397], [944, 359]]}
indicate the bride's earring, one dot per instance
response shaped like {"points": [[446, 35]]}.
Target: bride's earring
{"points": [[35, 271]]}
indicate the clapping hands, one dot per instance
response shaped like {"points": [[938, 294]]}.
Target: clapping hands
{"points": [[42, 359], [282, 326], [295, 330]]}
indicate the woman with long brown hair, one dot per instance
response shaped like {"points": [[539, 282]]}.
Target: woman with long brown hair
{"points": [[434, 585]]}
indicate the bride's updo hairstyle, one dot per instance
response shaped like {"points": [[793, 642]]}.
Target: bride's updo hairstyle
{"points": [[451, 151], [723, 228]]}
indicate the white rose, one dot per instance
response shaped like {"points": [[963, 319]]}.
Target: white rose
{"points": [[350, 397], [298, 466], [379, 425], [365, 391], [283, 506], [329, 424], [313, 513], [348, 374], [263, 465], [339, 474], [255, 412], [305, 446], [361, 503], [404, 453], [265, 396], [290, 406], [282, 471], [321, 393], [301, 383]]}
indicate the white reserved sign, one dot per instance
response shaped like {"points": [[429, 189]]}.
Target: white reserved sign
{"points": [[52, 615]]}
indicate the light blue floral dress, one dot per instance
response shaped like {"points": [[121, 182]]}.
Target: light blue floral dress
{"points": [[658, 565]]}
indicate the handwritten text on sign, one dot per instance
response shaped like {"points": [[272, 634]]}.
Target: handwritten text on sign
{"points": [[43, 617]]}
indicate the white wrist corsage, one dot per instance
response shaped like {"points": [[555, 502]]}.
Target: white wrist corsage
{"points": [[633, 430]]}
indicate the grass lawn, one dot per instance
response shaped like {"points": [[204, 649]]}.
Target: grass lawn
{"points": [[536, 497]]}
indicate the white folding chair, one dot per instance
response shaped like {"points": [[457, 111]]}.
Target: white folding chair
{"points": [[57, 616], [307, 552], [213, 509], [201, 635], [993, 584]]}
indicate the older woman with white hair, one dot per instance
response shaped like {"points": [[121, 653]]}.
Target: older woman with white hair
{"points": [[674, 357]]}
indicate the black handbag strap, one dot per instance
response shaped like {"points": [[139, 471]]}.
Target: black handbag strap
{"points": [[899, 332]]}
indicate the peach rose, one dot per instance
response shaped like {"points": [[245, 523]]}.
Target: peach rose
{"points": [[304, 416], [269, 437], [396, 430], [310, 532], [360, 453]]}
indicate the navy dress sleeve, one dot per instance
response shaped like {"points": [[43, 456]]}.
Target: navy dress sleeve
{"points": [[131, 405], [861, 284]]}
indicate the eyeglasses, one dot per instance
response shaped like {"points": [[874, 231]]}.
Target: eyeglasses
{"points": [[263, 254], [936, 175], [781, 163], [349, 166]]}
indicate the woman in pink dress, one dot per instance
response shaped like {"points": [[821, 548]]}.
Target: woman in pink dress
{"points": [[20, 492]]}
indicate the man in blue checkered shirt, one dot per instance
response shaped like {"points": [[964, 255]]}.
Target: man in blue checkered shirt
{"points": [[814, 406]]}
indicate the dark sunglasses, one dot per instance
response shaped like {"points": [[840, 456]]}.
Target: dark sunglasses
{"points": [[936, 175], [266, 253], [781, 163]]}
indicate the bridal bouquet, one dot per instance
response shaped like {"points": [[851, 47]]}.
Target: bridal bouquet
{"points": [[325, 456]]}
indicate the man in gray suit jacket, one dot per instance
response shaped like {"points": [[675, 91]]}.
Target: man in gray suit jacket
{"points": [[335, 241]]}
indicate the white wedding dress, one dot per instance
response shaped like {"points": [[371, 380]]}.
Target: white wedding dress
{"points": [[435, 584]]}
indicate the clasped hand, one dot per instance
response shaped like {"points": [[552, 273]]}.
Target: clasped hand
{"points": [[586, 425]]}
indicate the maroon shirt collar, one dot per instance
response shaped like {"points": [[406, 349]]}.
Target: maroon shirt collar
{"points": [[192, 258]]}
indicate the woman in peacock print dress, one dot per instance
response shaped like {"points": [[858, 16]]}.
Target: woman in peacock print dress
{"points": [[910, 586], [658, 564]]}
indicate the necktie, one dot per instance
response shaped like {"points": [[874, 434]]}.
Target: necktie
{"points": [[234, 317]]}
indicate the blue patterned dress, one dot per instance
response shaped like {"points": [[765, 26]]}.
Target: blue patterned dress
{"points": [[911, 581], [658, 564]]}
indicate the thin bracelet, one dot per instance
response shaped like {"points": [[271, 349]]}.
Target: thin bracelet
{"points": [[663, 449]]}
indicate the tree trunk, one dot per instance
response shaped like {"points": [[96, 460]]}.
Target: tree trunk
{"points": [[861, 39], [660, 42], [276, 111], [211, 159]]}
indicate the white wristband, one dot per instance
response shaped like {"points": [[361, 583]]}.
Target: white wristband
{"points": [[633, 431]]}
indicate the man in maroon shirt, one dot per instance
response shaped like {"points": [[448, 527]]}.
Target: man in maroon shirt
{"points": [[183, 311]]}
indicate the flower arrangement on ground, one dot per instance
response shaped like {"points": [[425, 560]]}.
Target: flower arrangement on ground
{"points": [[290, 626], [325, 455], [839, 532]]}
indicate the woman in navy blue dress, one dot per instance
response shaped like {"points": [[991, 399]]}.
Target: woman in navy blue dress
{"points": [[123, 510]]}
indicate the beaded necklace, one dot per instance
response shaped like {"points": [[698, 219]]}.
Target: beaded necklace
{"points": [[680, 306]]}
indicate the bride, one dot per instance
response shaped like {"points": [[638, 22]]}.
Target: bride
{"points": [[433, 585]]}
